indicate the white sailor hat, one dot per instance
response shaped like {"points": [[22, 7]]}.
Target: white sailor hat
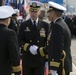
{"points": [[42, 9], [35, 5], [17, 12], [55, 6], [6, 11]]}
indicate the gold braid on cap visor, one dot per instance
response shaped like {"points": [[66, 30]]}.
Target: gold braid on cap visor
{"points": [[34, 9]]}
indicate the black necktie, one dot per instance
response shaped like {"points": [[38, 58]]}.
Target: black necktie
{"points": [[34, 23]]}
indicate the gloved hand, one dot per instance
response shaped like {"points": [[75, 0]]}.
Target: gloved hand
{"points": [[33, 49], [46, 65], [53, 72]]}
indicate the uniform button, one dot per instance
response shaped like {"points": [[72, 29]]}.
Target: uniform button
{"points": [[52, 59], [38, 41], [20, 48], [30, 40], [47, 44], [22, 45]]}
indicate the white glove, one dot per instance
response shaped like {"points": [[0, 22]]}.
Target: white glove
{"points": [[53, 72], [46, 64], [35, 46], [33, 49]]}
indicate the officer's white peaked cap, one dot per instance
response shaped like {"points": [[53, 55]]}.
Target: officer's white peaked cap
{"points": [[53, 5], [16, 10], [6, 11], [36, 2], [35, 5], [42, 9]]}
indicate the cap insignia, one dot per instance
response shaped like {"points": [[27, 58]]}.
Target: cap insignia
{"points": [[34, 4]]}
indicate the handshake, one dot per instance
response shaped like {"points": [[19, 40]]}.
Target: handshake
{"points": [[33, 49]]}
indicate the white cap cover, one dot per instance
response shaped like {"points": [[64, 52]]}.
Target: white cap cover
{"points": [[56, 6], [6, 11]]}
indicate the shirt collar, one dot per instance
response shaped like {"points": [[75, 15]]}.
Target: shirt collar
{"points": [[57, 19], [35, 20]]}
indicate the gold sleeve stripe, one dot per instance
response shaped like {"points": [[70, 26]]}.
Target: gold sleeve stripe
{"points": [[56, 64], [41, 52], [16, 68], [25, 46]]}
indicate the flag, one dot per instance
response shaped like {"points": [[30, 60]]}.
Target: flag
{"points": [[14, 1], [6, 2], [26, 4], [10, 1], [21, 6]]}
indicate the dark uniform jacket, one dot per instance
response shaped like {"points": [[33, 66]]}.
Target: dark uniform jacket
{"points": [[9, 57], [29, 36], [14, 25], [58, 46], [60, 39], [69, 22], [74, 25]]}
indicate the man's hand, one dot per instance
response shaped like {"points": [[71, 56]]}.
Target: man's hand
{"points": [[33, 49]]}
